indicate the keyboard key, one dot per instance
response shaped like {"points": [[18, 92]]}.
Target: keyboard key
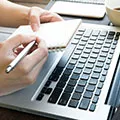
{"points": [[104, 72], [93, 81], [64, 99], [77, 70], [60, 84], [102, 78], [90, 88], [98, 91], [84, 77], [72, 82], [64, 78], [44, 89], [79, 89], [91, 42], [99, 64], [100, 85], [80, 65], [47, 84], [106, 67], [101, 59], [75, 76], [105, 50], [67, 72], [84, 39], [102, 38], [73, 103], [95, 99], [87, 33], [97, 46], [82, 43], [73, 61], [87, 51], [82, 60], [70, 66], [92, 107], [80, 47], [40, 96], [95, 50], [97, 69], [84, 55], [95, 33], [88, 94], [103, 33], [87, 71], [69, 89], [48, 91], [95, 75], [84, 103], [75, 56], [91, 60], [55, 95], [89, 46], [89, 65], [82, 83], [75, 40], [78, 52], [76, 96]]}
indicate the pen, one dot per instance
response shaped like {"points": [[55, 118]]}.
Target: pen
{"points": [[22, 54]]}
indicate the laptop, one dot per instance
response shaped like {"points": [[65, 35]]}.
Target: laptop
{"points": [[83, 8], [80, 82]]}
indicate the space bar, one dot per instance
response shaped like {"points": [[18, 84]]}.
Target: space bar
{"points": [[69, 50]]}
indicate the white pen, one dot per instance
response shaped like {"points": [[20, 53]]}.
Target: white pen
{"points": [[22, 54]]}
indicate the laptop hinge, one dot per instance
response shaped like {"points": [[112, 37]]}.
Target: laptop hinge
{"points": [[114, 91]]}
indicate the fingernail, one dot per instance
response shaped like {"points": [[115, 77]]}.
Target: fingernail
{"points": [[35, 27]]}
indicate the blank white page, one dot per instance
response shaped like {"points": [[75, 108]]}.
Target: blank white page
{"points": [[55, 34], [78, 9]]}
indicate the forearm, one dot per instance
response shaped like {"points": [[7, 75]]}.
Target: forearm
{"points": [[13, 14]]}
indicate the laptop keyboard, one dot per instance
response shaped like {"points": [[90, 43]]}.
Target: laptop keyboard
{"points": [[101, 2], [80, 74]]}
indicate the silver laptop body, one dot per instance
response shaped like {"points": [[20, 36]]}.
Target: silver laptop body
{"points": [[25, 100]]}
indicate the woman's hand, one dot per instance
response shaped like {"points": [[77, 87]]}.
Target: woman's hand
{"points": [[25, 73], [38, 15]]}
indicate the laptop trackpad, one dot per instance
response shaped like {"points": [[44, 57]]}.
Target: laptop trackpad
{"points": [[78, 9]]}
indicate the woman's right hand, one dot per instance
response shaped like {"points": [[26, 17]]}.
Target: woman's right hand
{"points": [[26, 72]]}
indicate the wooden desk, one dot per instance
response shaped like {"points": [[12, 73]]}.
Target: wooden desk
{"points": [[7, 114]]}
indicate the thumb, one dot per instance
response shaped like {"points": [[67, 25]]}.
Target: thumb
{"points": [[34, 17]]}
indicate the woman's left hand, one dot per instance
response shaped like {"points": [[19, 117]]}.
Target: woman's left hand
{"points": [[38, 15]]}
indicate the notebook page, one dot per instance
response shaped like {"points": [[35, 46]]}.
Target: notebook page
{"points": [[55, 34]]}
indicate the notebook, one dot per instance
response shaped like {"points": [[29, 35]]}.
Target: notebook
{"points": [[84, 8], [79, 83], [50, 32]]}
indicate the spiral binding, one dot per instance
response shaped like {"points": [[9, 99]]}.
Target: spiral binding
{"points": [[57, 49], [85, 1]]}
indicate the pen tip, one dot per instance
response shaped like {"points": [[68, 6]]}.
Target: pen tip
{"points": [[9, 68]]}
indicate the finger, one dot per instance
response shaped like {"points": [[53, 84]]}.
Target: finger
{"points": [[31, 77], [34, 18], [17, 40], [50, 17], [32, 59]]}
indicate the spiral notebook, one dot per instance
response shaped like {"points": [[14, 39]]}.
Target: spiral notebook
{"points": [[55, 34], [84, 8]]}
